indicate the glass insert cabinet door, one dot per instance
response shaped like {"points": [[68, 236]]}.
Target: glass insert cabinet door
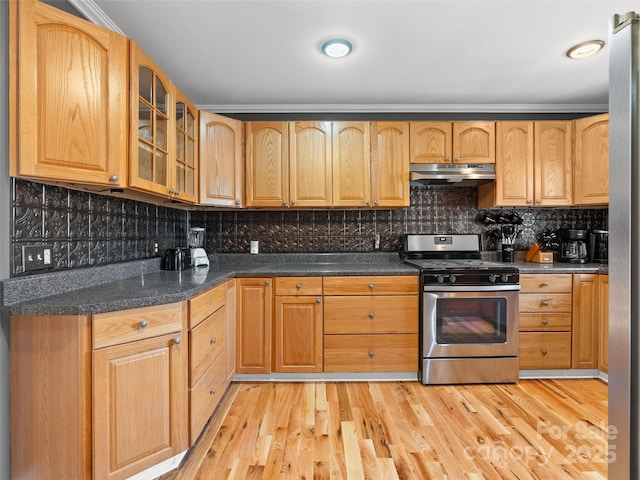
{"points": [[186, 149]]}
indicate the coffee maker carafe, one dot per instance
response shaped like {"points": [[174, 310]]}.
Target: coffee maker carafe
{"points": [[574, 245], [599, 246]]}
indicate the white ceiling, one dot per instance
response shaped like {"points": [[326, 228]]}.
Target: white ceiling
{"points": [[409, 56]]}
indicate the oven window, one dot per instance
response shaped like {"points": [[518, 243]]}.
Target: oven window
{"points": [[471, 320]]}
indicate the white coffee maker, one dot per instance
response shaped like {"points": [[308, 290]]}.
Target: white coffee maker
{"points": [[195, 240]]}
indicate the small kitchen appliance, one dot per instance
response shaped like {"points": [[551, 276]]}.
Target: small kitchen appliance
{"points": [[468, 315], [176, 259], [599, 246], [195, 240], [574, 245]]}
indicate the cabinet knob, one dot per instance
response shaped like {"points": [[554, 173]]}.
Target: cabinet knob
{"points": [[371, 315], [530, 202], [545, 321], [376, 202], [293, 202], [142, 324], [449, 159], [539, 202], [545, 302], [238, 203], [366, 202], [544, 351], [371, 286], [318, 300], [213, 341], [457, 159], [212, 391], [114, 178], [298, 286], [284, 202], [370, 354], [267, 282], [176, 341], [544, 284]]}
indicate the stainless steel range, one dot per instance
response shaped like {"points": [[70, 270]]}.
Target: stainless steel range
{"points": [[469, 311]]}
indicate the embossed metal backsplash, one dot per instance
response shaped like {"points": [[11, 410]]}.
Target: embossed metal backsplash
{"points": [[432, 210], [87, 229]]}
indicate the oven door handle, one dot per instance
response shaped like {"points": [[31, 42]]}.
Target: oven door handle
{"points": [[471, 288]]}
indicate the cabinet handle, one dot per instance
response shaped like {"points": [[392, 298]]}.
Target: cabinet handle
{"points": [[212, 391], [293, 202], [545, 302], [370, 354], [284, 202], [176, 341], [298, 286], [318, 300], [376, 202], [371, 286], [539, 202], [545, 321], [544, 351], [366, 202], [213, 341], [371, 315], [142, 324], [267, 282], [238, 203], [544, 284], [530, 202], [114, 178], [457, 159], [449, 159]]}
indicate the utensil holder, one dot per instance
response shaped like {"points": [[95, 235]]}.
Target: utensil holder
{"points": [[507, 253]]}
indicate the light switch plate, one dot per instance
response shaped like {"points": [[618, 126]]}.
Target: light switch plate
{"points": [[36, 257]]}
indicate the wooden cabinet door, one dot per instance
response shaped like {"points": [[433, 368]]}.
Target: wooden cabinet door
{"points": [[553, 154], [230, 351], [603, 318], [514, 164], [298, 334], [186, 156], [591, 163], [474, 142], [431, 142], [351, 166], [267, 164], [221, 160], [139, 405], [253, 325], [310, 164], [584, 343], [69, 98], [152, 123], [390, 164]]}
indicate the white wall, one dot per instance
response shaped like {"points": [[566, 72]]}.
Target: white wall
{"points": [[5, 211]]}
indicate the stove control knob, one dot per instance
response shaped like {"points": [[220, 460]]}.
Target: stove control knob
{"points": [[440, 278], [492, 278], [452, 278], [504, 278]]}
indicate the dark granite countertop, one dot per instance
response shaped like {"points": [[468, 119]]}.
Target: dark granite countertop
{"points": [[560, 267]]}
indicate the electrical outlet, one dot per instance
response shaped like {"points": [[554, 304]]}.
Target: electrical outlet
{"points": [[36, 257]]}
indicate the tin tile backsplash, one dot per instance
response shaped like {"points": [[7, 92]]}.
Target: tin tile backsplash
{"points": [[86, 229]]}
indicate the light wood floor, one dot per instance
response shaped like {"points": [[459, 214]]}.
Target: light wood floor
{"points": [[535, 429]]}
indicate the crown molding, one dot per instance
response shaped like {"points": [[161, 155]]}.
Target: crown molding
{"points": [[95, 14], [406, 108]]}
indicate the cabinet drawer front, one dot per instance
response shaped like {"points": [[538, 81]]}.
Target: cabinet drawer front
{"points": [[545, 322], [373, 285], [368, 315], [542, 283], [540, 302], [205, 304], [371, 353], [540, 350], [205, 396], [291, 286], [113, 328], [207, 341]]}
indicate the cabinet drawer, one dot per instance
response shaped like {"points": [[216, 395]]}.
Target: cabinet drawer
{"points": [[371, 353], [113, 328], [368, 315], [205, 396], [549, 322], [542, 350], [205, 304], [373, 285], [292, 286], [542, 283], [207, 341], [541, 302]]}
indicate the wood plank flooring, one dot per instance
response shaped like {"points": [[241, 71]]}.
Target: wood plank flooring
{"points": [[535, 429]]}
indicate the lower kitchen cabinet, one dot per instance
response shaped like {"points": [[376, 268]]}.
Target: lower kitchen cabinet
{"points": [[603, 339], [102, 396], [584, 338], [253, 328]]}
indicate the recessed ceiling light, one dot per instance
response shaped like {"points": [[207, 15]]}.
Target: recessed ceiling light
{"points": [[585, 49], [337, 48]]}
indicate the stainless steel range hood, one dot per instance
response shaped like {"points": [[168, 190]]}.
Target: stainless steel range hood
{"points": [[452, 174]]}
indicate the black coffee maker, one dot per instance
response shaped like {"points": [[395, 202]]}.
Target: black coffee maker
{"points": [[574, 245], [599, 246]]}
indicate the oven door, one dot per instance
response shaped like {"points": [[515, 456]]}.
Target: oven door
{"points": [[470, 321]]}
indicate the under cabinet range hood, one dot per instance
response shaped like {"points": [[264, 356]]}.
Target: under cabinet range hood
{"points": [[452, 174]]}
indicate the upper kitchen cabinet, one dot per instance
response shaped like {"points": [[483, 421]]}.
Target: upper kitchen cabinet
{"points": [[591, 162], [152, 157], [452, 142], [186, 165], [221, 160], [351, 164], [267, 164], [533, 165], [69, 100], [310, 147], [390, 164]]}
